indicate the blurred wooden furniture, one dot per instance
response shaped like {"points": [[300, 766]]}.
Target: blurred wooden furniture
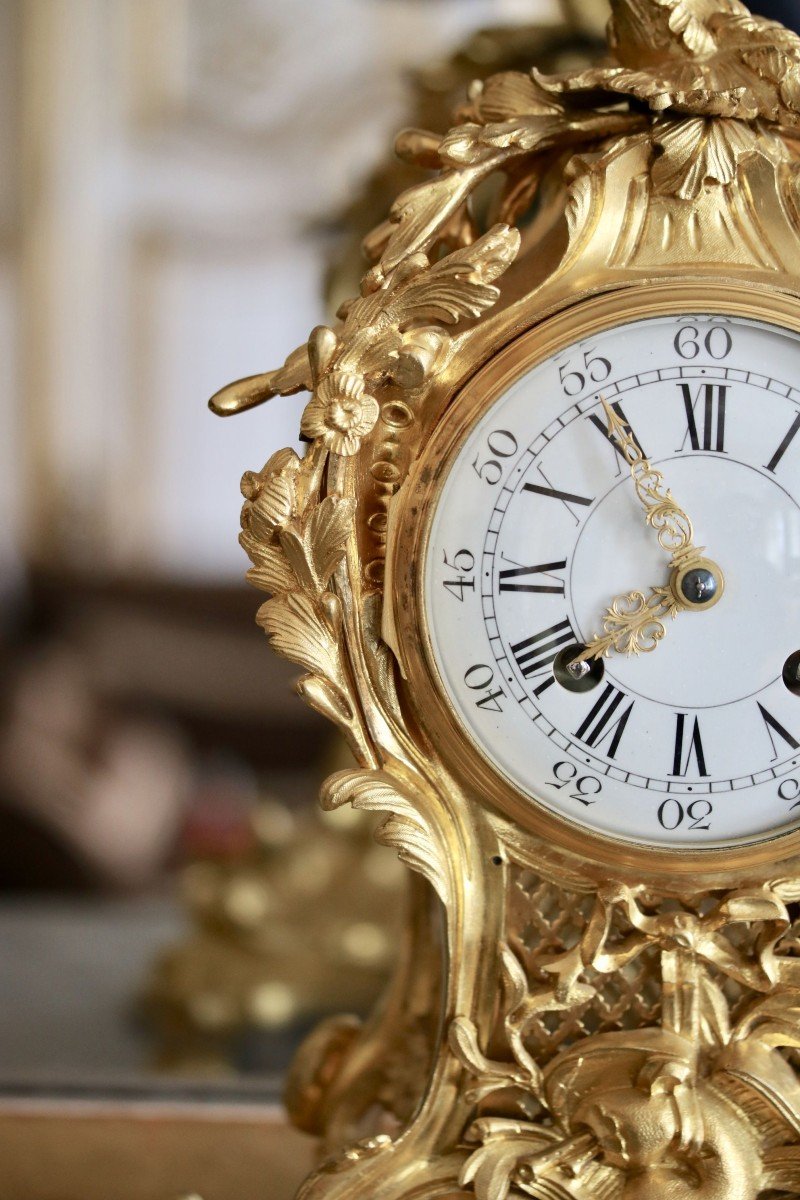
{"points": [[139, 1148]]}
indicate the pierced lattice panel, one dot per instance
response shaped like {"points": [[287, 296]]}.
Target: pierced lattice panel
{"points": [[789, 945], [545, 920]]}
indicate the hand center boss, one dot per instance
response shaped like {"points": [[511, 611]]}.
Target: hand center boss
{"points": [[634, 623]]}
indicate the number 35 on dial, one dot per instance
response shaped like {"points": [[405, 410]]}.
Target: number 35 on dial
{"points": [[539, 528]]}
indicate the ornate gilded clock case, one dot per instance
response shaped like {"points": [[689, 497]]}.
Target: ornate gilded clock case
{"points": [[571, 1016]]}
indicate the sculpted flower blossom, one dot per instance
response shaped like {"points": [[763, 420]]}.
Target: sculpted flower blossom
{"points": [[341, 413]]}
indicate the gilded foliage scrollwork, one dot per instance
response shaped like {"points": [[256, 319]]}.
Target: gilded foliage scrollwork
{"points": [[295, 543], [703, 57], [378, 332], [406, 828], [296, 536], [705, 1103]]}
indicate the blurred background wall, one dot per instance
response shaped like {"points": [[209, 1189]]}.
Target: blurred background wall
{"points": [[172, 165]]}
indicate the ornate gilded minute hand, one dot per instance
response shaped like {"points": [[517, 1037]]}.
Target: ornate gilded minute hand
{"points": [[634, 623], [662, 513]]}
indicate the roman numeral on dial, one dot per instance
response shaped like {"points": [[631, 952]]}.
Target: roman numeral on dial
{"points": [[556, 494], [794, 429], [773, 727], [568, 499], [707, 407], [518, 579], [606, 721], [600, 423], [688, 748], [536, 654]]}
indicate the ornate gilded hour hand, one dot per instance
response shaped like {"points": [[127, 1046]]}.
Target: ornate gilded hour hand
{"points": [[634, 623]]}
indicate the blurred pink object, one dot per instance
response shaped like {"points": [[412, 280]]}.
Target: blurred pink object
{"points": [[113, 787]]}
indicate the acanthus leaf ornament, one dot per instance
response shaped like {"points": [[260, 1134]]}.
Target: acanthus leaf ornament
{"points": [[337, 363], [597, 1020], [405, 828], [699, 151]]}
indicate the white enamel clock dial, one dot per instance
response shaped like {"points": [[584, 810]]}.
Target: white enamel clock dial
{"points": [[537, 528]]}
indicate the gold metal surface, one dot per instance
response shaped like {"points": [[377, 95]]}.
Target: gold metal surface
{"points": [[572, 1017], [302, 922]]}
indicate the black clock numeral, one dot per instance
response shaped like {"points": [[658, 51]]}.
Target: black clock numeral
{"points": [[789, 790], [480, 679], [709, 406], [606, 721], [587, 787], [773, 726], [600, 423], [594, 369], [568, 499], [555, 494], [536, 654], [672, 814], [501, 444], [688, 746], [513, 578], [717, 343], [462, 566], [794, 429]]}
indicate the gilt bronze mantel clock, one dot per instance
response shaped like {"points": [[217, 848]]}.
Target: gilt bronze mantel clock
{"points": [[541, 564]]}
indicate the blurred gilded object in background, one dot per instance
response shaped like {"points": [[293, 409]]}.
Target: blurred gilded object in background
{"points": [[574, 1017], [302, 924]]}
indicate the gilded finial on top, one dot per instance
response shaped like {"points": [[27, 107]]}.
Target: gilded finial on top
{"points": [[701, 57]]}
